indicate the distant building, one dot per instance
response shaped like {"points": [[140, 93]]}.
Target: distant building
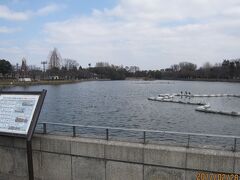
{"points": [[54, 77], [168, 70], [24, 69], [25, 79]]}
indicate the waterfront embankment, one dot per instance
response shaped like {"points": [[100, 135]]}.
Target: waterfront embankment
{"points": [[63, 158], [12, 83]]}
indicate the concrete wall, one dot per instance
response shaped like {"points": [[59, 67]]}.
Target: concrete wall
{"points": [[67, 158]]}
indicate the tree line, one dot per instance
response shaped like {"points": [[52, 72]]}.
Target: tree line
{"points": [[228, 69]]}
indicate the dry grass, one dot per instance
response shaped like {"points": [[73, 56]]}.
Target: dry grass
{"points": [[11, 83]]}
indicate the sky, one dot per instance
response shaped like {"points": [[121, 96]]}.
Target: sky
{"points": [[151, 34]]}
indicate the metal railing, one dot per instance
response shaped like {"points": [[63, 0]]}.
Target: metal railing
{"points": [[143, 131]]}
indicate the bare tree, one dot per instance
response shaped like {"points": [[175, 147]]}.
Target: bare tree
{"points": [[175, 67], [102, 64], [54, 59], [70, 64]]}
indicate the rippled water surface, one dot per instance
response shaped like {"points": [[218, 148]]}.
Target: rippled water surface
{"points": [[125, 104]]}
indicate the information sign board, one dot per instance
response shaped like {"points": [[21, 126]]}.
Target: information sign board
{"points": [[16, 112], [19, 112]]}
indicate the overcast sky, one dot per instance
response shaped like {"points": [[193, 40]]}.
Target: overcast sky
{"points": [[151, 34]]}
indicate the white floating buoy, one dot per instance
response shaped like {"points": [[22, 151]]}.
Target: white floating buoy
{"points": [[159, 98], [203, 107], [207, 106]]}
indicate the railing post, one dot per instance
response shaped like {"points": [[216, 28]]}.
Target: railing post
{"points": [[188, 142], [144, 137], [74, 131], [107, 135], [235, 145], [44, 128]]}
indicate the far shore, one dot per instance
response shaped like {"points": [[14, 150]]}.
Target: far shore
{"points": [[178, 79], [12, 83], [208, 80]]}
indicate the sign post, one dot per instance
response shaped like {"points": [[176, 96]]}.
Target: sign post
{"points": [[19, 113]]}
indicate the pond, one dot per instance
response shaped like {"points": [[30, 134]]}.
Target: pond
{"points": [[125, 104]]}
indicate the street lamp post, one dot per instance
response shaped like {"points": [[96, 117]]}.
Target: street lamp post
{"points": [[44, 63]]}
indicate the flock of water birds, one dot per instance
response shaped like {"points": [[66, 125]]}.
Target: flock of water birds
{"points": [[202, 107]]}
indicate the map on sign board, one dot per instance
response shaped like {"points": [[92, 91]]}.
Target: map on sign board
{"points": [[16, 112]]}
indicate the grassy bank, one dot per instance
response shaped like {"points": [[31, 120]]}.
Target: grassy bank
{"points": [[11, 83]]}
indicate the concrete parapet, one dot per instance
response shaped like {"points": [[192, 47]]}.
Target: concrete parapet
{"points": [[63, 158], [123, 171], [88, 169], [55, 166], [21, 143], [87, 147], [56, 144], [129, 152], [237, 163], [7, 160], [6, 141], [165, 156], [157, 173], [210, 160]]}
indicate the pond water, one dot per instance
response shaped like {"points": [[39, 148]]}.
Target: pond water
{"points": [[125, 104]]}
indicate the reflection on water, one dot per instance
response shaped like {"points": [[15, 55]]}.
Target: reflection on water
{"points": [[125, 104]]}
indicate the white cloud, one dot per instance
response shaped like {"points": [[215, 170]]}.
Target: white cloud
{"points": [[233, 11], [14, 50], [6, 13], [49, 9], [167, 10], [33, 51], [4, 29], [152, 34]]}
